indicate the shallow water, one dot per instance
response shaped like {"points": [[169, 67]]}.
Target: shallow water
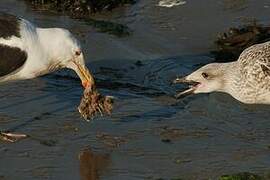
{"points": [[150, 135]]}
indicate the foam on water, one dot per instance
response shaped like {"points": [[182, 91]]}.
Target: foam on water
{"points": [[171, 3]]}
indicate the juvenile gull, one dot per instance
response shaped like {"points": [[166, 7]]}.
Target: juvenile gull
{"points": [[27, 51], [247, 79]]}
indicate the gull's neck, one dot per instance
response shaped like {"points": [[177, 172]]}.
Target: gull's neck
{"points": [[49, 46], [232, 79]]}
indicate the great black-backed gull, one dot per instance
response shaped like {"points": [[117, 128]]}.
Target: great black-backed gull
{"points": [[27, 51], [247, 79]]}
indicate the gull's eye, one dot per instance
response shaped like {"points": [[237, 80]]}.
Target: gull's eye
{"points": [[77, 53], [205, 75]]}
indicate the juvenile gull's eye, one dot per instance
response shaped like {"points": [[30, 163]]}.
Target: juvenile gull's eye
{"points": [[205, 75], [77, 53]]}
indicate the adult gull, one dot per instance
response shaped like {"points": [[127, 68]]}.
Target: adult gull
{"points": [[27, 51]]}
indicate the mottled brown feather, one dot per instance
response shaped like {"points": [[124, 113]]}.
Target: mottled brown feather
{"points": [[265, 70]]}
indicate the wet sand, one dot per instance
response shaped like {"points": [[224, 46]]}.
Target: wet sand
{"points": [[150, 135]]}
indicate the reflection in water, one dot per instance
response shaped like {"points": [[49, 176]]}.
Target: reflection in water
{"points": [[92, 164]]}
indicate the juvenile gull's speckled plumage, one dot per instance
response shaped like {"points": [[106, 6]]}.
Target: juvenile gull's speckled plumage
{"points": [[247, 79]]}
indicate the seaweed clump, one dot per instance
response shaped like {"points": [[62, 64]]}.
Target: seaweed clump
{"points": [[82, 6], [84, 9], [116, 29], [232, 43], [93, 103], [242, 176]]}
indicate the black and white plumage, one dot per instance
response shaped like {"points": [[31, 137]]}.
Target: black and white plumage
{"points": [[27, 51], [247, 79]]}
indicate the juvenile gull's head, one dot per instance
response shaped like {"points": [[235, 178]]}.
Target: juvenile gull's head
{"points": [[207, 79]]}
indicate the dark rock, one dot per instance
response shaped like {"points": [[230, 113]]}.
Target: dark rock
{"points": [[83, 9], [166, 140], [81, 6], [49, 143], [116, 29], [139, 63], [241, 176], [231, 44]]}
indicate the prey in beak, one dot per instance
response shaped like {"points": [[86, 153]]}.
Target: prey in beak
{"points": [[92, 103], [193, 85]]}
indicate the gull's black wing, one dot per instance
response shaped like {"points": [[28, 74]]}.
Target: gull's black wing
{"points": [[11, 59]]}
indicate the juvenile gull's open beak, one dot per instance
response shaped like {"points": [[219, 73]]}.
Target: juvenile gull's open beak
{"points": [[192, 87], [85, 76], [180, 80]]}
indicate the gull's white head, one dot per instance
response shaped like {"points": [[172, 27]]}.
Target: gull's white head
{"points": [[207, 79], [65, 52]]}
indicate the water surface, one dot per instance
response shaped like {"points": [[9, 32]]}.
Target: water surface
{"points": [[150, 135]]}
